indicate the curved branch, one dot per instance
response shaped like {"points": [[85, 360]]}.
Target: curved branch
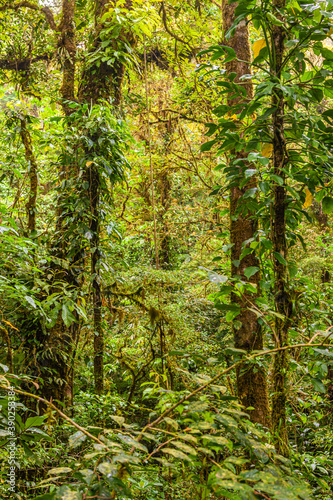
{"points": [[219, 375], [45, 10], [164, 19], [60, 413], [23, 64]]}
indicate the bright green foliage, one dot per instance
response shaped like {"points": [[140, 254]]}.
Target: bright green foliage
{"points": [[165, 429]]}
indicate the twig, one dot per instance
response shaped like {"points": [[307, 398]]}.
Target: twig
{"points": [[63, 415], [219, 375], [164, 19]]}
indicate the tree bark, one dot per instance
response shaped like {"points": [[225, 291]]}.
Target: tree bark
{"points": [[99, 81], [283, 302], [252, 386], [66, 42], [61, 338]]}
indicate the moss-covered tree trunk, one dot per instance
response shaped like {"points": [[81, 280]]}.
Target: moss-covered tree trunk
{"points": [[49, 351], [283, 303], [99, 80], [60, 339], [251, 381]]}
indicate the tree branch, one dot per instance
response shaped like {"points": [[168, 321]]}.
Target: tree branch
{"points": [[221, 374], [45, 10], [60, 413], [22, 64], [164, 19]]}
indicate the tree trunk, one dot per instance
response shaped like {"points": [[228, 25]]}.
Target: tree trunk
{"points": [[61, 339], [48, 352], [322, 219], [99, 81], [251, 381], [283, 302]]}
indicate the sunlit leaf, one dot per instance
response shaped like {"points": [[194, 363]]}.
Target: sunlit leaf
{"points": [[257, 46], [60, 470], [267, 150], [308, 198], [76, 439], [108, 469], [176, 453]]}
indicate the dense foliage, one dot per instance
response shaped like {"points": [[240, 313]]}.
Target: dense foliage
{"points": [[165, 249]]}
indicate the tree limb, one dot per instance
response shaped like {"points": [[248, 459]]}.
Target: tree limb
{"points": [[164, 19], [23, 64], [219, 375], [45, 10]]}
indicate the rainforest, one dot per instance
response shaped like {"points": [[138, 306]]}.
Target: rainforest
{"points": [[166, 246]]}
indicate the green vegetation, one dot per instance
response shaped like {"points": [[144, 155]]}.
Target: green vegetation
{"points": [[166, 206]]}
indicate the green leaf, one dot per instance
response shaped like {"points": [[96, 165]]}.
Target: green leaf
{"points": [[120, 420], [237, 352], [132, 442], [228, 307], [264, 187], [164, 462], [87, 475], [274, 20], [33, 421], [47, 496], [221, 110], [324, 352], [328, 113], [277, 179], [279, 258], [250, 271], [250, 172], [108, 469], [318, 385], [197, 406], [76, 439], [176, 454], [327, 204], [60, 470], [172, 422], [67, 315], [250, 193], [207, 146], [123, 458], [31, 301], [65, 493], [217, 440], [293, 269], [184, 447]]}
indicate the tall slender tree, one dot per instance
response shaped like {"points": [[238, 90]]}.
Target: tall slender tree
{"points": [[278, 228], [100, 80], [251, 381]]}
